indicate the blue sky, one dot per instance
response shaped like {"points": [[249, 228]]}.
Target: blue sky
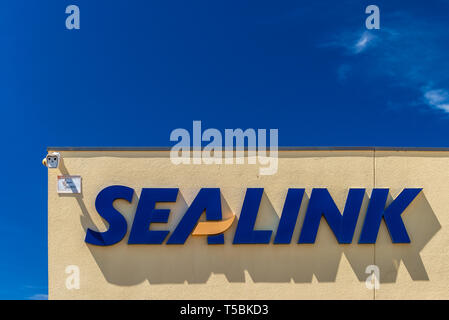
{"points": [[138, 69]]}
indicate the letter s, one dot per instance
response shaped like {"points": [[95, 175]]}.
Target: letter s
{"points": [[117, 223]]}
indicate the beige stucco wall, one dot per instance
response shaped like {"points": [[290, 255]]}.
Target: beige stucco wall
{"points": [[195, 270]]}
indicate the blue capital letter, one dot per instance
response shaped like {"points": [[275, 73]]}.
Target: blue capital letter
{"points": [[289, 216], [117, 223], [321, 204], [392, 215], [245, 233], [209, 200], [147, 214]]}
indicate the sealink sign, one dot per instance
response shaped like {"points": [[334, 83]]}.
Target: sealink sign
{"points": [[208, 202]]}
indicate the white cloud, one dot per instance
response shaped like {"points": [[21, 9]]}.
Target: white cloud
{"points": [[352, 42], [411, 53], [438, 98], [39, 296], [363, 42]]}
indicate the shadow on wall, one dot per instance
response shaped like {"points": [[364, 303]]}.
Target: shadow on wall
{"points": [[195, 261], [422, 225]]}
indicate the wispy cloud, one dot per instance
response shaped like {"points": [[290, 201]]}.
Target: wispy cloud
{"points": [[411, 52], [362, 43], [352, 42], [438, 98], [39, 296]]}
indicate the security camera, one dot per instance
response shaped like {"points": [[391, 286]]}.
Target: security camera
{"points": [[52, 160]]}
